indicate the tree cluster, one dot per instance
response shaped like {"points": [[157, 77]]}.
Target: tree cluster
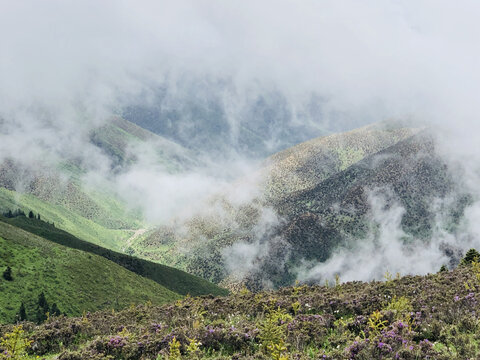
{"points": [[42, 310], [19, 212], [13, 214]]}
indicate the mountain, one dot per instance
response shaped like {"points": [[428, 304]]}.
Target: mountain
{"points": [[305, 165], [314, 198], [412, 317], [304, 203], [120, 139]]}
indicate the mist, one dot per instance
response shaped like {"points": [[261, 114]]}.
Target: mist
{"points": [[387, 250], [371, 61], [290, 71]]}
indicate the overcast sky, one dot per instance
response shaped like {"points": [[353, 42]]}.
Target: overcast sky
{"points": [[385, 57]]}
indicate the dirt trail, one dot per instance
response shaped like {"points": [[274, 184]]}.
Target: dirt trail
{"points": [[136, 234]]}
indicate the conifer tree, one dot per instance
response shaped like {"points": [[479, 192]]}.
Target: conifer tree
{"points": [[55, 310], [22, 314], [470, 256], [42, 308], [7, 274], [42, 301]]}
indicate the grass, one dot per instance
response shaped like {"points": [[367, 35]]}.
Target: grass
{"points": [[75, 280], [176, 280], [65, 219]]}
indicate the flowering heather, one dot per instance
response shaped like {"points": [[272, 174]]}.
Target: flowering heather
{"points": [[422, 317]]}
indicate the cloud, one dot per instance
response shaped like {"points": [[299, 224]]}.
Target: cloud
{"points": [[367, 61], [388, 249], [381, 57]]}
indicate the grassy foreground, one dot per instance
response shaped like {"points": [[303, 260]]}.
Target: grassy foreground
{"points": [[413, 317]]}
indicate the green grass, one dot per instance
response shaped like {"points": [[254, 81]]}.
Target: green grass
{"points": [[75, 280], [65, 219], [173, 279]]}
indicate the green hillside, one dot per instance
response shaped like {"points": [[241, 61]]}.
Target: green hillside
{"points": [[305, 165], [95, 214], [66, 219], [75, 280], [119, 138], [175, 280]]}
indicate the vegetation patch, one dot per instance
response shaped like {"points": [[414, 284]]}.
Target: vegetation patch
{"points": [[411, 317]]}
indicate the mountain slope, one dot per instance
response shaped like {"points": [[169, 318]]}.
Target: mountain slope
{"points": [[71, 221], [75, 280], [92, 212], [307, 164], [204, 118], [341, 209], [120, 139], [170, 278], [312, 198]]}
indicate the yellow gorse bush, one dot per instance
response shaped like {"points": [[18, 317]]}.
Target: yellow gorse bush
{"points": [[15, 344]]}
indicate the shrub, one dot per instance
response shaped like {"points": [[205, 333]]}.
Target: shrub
{"points": [[273, 328], [400, 306], [443, 268], [193, 348], [376, 322], [174, 349], [14, 344]]}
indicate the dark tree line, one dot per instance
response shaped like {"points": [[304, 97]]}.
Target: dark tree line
{"points": [[19, 212], [12, 214]]}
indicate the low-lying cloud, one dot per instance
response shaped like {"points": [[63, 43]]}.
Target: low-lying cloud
{"points": [[387, 249]]}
